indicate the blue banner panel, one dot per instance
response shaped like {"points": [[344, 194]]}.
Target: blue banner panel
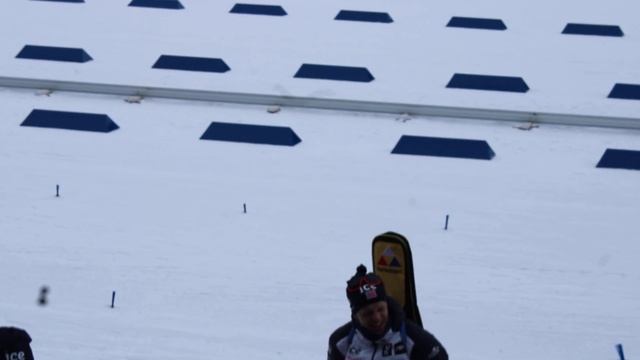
{"points": [[191, 64], [488, 82], [333, 72], [476, 23], [367, 16], [255, 9], [590, 29], [70, 121], [53, 53], [625, 91], [443, 147], [255, 134], [158, 4], [66, 1], [620, 159]]}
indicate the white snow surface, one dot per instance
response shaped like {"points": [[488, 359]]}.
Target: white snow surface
{"points": [[412, 58], [540, 258]]}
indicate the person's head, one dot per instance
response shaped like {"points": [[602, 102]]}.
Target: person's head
{"points": [[368, 301]]}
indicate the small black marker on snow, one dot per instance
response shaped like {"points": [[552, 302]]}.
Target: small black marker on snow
{"points": [[113, 299], [244, 208], [620, 351], [446, 222], [42, 298], [57, 190]]}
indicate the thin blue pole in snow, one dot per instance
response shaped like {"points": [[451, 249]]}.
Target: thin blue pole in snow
{"points": [[113, 298], [620, 351], [57, 190], [42, 299], [446, 222]]}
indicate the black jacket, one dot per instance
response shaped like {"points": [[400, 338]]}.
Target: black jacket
{"points": [[14, 344], [404, 341]]}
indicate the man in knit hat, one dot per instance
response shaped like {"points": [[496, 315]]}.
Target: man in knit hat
{"points": [[378, 329], [14, 344]]}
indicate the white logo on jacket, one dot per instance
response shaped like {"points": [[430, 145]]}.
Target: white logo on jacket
{"points": [[390, 347]]}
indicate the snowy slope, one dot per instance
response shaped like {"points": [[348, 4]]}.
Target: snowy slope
{"points": [[539, 260], [412, 58], [540, 252]]}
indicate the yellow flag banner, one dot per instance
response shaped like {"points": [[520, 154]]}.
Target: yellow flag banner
{"points": [[393, 263]]}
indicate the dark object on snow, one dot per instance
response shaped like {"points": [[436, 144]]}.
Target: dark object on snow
{"points": [[625, 91], [334, 72], [246, 133], [620, 351], [70, 121], [488, 82], [476, 23], [158, 4], [42, 298], [620, 159], [443, 147], [592, 29], [366, 16], [54, 53], [258, 9], [66, 1], [14, 344], [190, 63]]}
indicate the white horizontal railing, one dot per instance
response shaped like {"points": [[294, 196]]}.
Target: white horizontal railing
{"points": [[319, 103]]}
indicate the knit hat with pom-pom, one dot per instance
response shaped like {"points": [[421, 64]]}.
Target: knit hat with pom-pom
{"points": [[364, 288]]}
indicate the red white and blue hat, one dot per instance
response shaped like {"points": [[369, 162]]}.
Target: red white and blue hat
{"points": [[364, 288]]}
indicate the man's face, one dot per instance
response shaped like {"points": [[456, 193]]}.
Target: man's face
{"points": [[374, 317]]}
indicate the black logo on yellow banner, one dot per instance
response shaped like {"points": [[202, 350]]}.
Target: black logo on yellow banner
{"points": [[389, 261]]}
